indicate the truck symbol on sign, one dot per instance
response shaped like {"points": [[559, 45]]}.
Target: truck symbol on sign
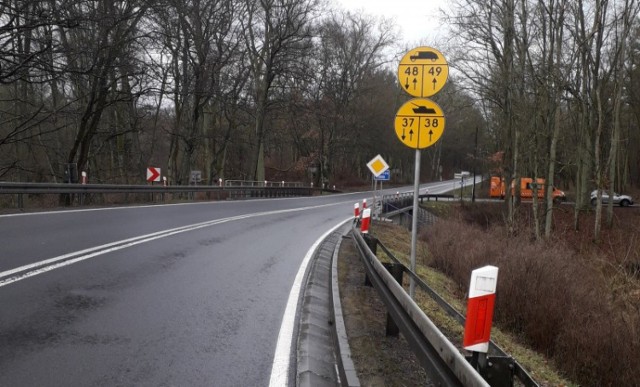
{"points": [[424, 55], [423, 109]]}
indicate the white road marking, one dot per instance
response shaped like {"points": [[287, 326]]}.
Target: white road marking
{"points": [[280, 367], [30, 270], [66, 211]]}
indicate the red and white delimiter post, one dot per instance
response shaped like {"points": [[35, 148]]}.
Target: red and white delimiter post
{"points": [[366, 217], [356, 210], [482, 299]]}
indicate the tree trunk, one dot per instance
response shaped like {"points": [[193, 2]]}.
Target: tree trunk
{"points": [[555, 58]]}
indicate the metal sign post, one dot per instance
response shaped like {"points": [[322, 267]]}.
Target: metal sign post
{"points": [[420, 122], [384, 176], [375, 199], [414, 223]]}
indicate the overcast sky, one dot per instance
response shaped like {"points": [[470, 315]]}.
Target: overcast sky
{"points": [[419, 20]]}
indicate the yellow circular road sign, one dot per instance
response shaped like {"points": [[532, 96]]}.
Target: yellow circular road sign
{"points": [[419, 123], [423, 71]]}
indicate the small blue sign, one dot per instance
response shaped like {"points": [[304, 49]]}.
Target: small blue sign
{"points": [[384, 176]]}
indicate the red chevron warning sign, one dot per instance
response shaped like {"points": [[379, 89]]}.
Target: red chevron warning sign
{"points": [[153, 174]]}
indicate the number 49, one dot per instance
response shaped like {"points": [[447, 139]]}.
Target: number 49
{"points": [[435, 71]]}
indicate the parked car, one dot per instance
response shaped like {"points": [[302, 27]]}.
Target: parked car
{"points": [[622, 200]]}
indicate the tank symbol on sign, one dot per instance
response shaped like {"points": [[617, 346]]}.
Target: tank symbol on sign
{"points": [[423, 109], [424, 55], [419, 123]]}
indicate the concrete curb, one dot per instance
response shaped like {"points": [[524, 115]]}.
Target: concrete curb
{"points": [[322, 348], [348, 373]]}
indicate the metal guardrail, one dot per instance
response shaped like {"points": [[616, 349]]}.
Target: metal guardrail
{"points": [[266, 183], [53, 188], [402, 207], [435, 197], [405, 199], [519, 371], [404, 217], [421, 333], [231, 192], [446, 365]]}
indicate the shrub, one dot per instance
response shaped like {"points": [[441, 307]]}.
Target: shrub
{"points": [[563, 304]]}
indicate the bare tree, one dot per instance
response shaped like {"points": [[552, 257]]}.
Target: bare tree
{"points": [[487, 29], [622, 29], [600, 77], [351, 49], [26, 65], [555, 84], [276, 34], [93, 54], [201, 39]]}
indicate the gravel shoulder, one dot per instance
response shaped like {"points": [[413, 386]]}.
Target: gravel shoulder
{"points": [[379, 360]]}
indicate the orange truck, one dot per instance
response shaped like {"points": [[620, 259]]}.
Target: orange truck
{"points": [[497, 189]]}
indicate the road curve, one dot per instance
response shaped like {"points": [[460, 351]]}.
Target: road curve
{"points": [[161, 295]]}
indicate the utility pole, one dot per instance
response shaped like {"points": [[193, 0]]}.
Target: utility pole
{"points": [[475, 158]]}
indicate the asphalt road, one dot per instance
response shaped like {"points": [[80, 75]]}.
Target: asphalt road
{"points": [[163, 295]]}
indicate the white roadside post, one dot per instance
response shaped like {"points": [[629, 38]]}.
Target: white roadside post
{"points": [[366, 218], [477, 327]]}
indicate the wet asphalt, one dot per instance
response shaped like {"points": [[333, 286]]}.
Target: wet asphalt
{"points": [[199, 308], [147, 301]]}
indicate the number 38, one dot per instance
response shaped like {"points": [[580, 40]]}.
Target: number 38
{"points": [[431, 122]]}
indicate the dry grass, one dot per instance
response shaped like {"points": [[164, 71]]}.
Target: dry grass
{"points": [[398, 241], [570, 299]]}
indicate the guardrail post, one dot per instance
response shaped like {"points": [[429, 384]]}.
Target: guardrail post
{"points": [[396, 272], [372, 243], [498, 371]]}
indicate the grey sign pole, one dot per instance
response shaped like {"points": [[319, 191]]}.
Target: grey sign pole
{"points": [[414, 223], [417, 115]]}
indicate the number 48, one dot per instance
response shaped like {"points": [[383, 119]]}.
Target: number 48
{"points": [[411, 71]]}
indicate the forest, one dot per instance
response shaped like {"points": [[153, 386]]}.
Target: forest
{"points": [[300, 90]]}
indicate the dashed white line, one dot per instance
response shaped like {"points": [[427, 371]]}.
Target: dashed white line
{"points": [[33, 269]]}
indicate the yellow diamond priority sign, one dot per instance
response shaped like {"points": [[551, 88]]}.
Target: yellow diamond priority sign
{"points": [[377, 166]]}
